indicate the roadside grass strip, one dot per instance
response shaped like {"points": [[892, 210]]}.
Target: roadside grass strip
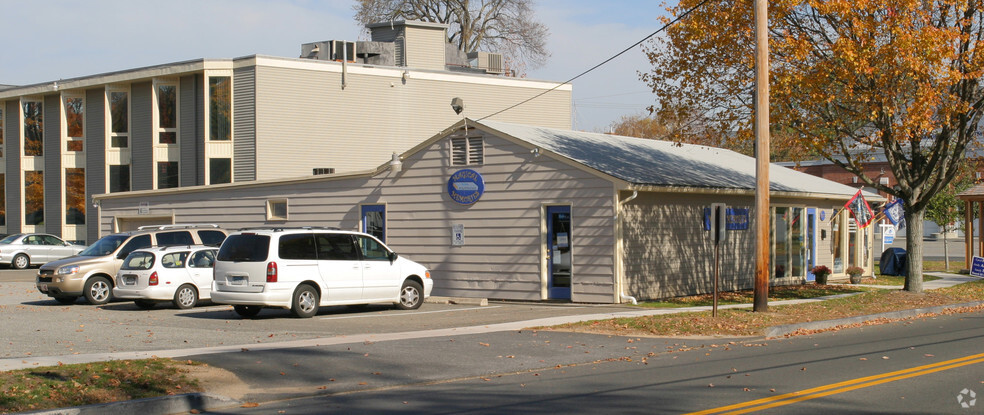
{"points": [[841, 387]]}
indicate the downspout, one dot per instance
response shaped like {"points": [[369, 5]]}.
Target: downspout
{"points": [[621, 273]]}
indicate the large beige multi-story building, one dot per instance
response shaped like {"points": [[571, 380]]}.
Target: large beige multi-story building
{"points": [[339, 107]]}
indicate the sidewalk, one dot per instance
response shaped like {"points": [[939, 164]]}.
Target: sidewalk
{"points": [[244, 366]]}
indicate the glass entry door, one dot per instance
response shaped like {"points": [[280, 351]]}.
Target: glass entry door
{"points": [[559, 247]]}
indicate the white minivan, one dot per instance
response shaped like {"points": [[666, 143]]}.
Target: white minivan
{"points": [[302, 269]]}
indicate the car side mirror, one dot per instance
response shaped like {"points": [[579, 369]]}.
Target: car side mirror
{"points": [[393, 256]]}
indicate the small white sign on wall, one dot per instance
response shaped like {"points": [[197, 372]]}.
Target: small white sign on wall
{"points": [[457, 234], [143, 208]]}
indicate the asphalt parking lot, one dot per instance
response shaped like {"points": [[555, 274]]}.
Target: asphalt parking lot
{"points": [[35, 325]]}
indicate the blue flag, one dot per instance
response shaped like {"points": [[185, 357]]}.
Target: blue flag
{"points": [[895, 213]]}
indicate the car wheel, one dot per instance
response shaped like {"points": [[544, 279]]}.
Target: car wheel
{"points": [[306, 302], [145, 304], [411, 296], [247, 310], [185, 297], [20, 261], [98, 290], [66, 300]]}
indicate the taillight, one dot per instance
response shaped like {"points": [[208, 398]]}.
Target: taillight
{"points": [[153, 279], [271, 272]]}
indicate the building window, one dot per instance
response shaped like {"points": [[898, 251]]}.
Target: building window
{"points": [[3, 200], [33, 128], [467, 151], [1, 131], [119, 178], [74, 123], [167, 114], [219, 170], [276, 209], [167, 174], [119, 112], [75, 196], [220, 107], [34, 198]]}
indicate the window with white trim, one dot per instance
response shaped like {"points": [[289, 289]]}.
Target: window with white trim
{"points": [[119, 118], [167, 114], [74, 123], [276, 209], [467, 151]]}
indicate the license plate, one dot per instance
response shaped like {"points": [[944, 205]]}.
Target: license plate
{"points": [[129, 280], [238, 280], [44, 287]]}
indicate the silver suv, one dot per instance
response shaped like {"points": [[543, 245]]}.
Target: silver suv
{"points": [[302, 269], [91, 273]]}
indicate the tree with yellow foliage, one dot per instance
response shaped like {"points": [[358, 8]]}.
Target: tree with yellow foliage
{"points": [[850, 78]]}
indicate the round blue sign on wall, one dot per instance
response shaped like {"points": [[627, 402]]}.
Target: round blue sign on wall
{"points": [[823, 215], [466, 186]]}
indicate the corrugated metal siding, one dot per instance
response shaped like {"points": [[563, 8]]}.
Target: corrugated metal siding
{"points": [[53, 192], [244, 97], [383, 34], [95, 156], [361, 126], [502, 255], [191, 131], [141, 136], [13, 182], [425, 48]]}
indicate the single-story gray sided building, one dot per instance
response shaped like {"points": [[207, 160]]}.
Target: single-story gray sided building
{"points": [[508, 211]]}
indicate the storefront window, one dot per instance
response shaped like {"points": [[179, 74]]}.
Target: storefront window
{"points": [[788, 242]]}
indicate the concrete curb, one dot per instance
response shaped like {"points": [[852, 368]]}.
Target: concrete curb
{"points": [[457, 300], [149, 406], [779, 331]]}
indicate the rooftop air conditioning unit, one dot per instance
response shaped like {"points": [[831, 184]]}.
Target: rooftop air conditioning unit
{"points": [[489, 62]]}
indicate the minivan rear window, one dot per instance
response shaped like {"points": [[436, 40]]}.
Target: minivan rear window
{"points": [[245, 248], [138, 261]]}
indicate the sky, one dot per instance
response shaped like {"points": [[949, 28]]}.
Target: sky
{"points": [[56, 39]]}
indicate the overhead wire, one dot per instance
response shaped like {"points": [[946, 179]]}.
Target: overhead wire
{"points": [[672, 22]]}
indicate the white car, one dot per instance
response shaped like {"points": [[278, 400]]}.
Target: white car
{"points": [[179, 274], [301, 269]]}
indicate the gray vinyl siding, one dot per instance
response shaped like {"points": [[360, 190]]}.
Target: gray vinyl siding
{"points": [[425, 48], [141, 136], [361, 126], [244, 124], [53, 213], [383, 34], [13, 182], [192, 139], [502, 257], [95, 156]]}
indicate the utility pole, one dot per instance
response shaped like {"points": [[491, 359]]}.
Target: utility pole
{"points": [[761, 291]]}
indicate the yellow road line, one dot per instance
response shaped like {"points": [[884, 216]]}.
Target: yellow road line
{"points": [[840, 387]]}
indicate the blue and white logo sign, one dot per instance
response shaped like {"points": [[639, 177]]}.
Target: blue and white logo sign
{"points": [[466, 186]]}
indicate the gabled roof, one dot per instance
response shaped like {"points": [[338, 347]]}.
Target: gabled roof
{"points": [[645, 162]]}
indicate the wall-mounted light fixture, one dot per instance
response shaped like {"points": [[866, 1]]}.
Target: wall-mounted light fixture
{"points": [[535, 152], [396, 165]]}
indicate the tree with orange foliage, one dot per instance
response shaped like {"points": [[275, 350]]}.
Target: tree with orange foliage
{"points": [[850, 79]]}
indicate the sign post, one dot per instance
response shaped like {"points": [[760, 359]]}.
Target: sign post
{"points": [[718, 228]]}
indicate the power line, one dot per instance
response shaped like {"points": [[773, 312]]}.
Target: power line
{"points": [[677, 19]]}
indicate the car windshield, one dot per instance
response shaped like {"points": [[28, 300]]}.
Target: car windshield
{"points": [[11, 238], [104, 246]]}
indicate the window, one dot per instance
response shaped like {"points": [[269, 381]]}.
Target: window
{"points": [[220, 107], [372, 250], [276, 209], [137, 242], [297, 246], [219, 170], [174, 260], [75, 196], [33, 128], [336, 247], [167, 174], [74, 123], [167, 114], [119, 112], [374, 221], [211, 238], [34, 198], [467, 151], [119, 178], [1, 133], [245, 247], [174, 238], [202, 259], [139, 261]]}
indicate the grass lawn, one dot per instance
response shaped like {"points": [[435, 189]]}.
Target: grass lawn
{"points": [[91, 383], [744, 322]]}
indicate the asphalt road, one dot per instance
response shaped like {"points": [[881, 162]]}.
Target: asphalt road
{"points": [[915, 367]]}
